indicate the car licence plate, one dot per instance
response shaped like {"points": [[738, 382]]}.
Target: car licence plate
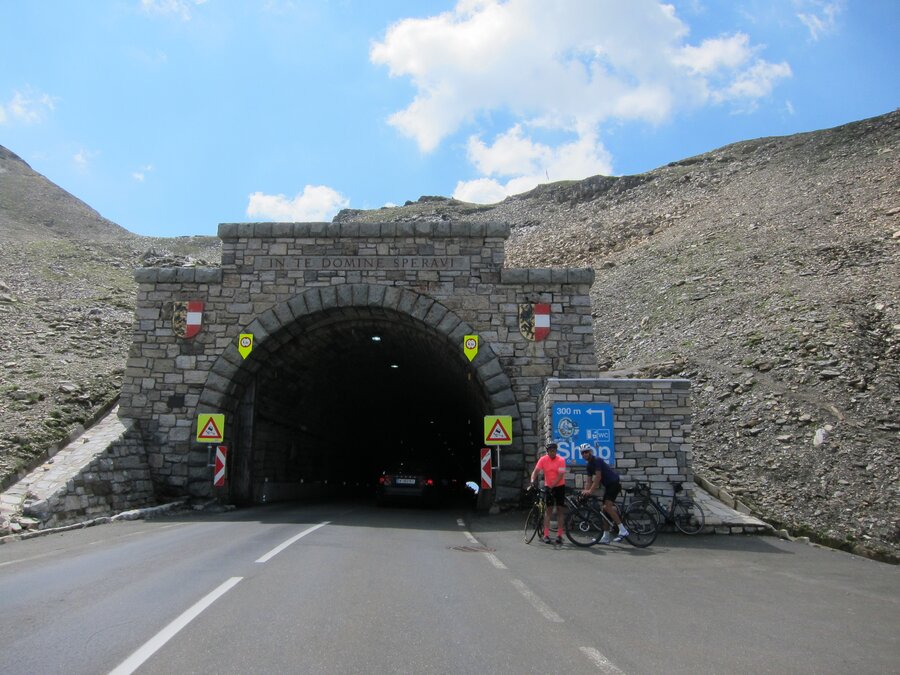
{"points": [[406, 481]]}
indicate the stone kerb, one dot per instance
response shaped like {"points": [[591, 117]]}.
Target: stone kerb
{"points": [[652, 425]]}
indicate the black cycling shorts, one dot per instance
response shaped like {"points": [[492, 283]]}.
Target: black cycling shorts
{"points": [[612, 491], [557, 496]]}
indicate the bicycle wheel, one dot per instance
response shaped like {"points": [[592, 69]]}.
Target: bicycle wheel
{"points": [[583, 527], [534, 523], [644, 503], [641, 524], [688, 516]]}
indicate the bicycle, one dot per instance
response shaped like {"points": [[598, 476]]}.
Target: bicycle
{"points": [[534, 522], [587, 522], [683, 512]]}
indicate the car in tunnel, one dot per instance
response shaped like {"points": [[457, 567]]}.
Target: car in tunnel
{"points": [[409, 482]]}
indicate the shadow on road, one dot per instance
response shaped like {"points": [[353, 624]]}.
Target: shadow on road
{"points": [[412, 515], [358, 513]]}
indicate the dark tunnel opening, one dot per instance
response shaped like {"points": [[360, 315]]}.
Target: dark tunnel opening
{"points": [[347, 397]]}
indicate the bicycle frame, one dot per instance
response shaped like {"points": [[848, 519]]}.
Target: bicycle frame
{"points": [[667, 516], [595, 505], [587, 518], [534, 521]]}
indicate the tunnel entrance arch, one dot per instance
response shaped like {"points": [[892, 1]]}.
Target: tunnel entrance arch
{"points": [[329, 398]]}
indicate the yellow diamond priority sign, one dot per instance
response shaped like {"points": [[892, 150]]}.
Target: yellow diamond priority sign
{"points": [[497, 429]]}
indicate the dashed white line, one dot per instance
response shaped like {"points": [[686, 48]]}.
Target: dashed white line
{"points": [[536, 602], [495, 561], [135, 661], [278, 549], [600, 661], [595, 656]]}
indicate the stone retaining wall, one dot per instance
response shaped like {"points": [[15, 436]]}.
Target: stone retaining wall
{"points": [[116, 480]]}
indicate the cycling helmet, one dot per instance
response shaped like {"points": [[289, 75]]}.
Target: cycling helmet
{"points": [[585, 447]]}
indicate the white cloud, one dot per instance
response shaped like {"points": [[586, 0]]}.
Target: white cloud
{"points": [[725, 53], [820, 16], [317, 203], [526, 164], [179, 8], [755, 82], [510, 153], [141, 173], [28, 107], [83, 158], [567, 66], [480, 191]]}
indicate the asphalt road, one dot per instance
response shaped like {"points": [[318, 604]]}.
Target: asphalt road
{"points": [[348, 588]]}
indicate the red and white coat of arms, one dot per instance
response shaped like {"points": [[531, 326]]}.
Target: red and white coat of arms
{"points": [[187, 318], [534, 321]]}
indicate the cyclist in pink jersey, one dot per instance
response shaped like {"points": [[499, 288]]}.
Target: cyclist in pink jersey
{"points": [[554, 469]]}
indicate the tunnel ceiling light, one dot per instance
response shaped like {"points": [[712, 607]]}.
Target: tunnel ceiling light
{"points": [[394, 365], [376, 338]]}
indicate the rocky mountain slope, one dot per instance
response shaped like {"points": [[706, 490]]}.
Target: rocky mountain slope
{"points": [[66, 307], [765, 271]]}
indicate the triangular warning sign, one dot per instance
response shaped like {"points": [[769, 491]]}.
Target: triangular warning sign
{"points": [[210, 431], [498, 434], [210, 428]]}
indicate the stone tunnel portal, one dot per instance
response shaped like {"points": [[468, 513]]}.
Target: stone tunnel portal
{"points": [[317, 402], [339, 396]]}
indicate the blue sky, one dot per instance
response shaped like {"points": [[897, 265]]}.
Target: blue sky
{"points": [[171, 116]]}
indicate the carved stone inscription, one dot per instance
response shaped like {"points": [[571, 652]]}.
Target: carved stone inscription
{"points": [[369, 262]]}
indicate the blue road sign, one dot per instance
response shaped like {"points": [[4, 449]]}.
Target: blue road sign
{"points": [[577, 423]]}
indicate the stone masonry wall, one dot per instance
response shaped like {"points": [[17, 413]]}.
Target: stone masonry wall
{"points": [[652, 427], [108, 475]]}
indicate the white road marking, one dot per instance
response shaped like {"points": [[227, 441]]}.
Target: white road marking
{"points": [[34, 557], [153, 529], [135, 661], [536, 602], [602, 663], [278, 549], [495, 561]]}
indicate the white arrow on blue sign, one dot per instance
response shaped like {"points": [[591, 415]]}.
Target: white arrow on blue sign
{"points": [[577, 423]]}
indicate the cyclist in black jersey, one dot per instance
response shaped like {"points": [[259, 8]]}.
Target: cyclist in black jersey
{"points": [[600, 473]]}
